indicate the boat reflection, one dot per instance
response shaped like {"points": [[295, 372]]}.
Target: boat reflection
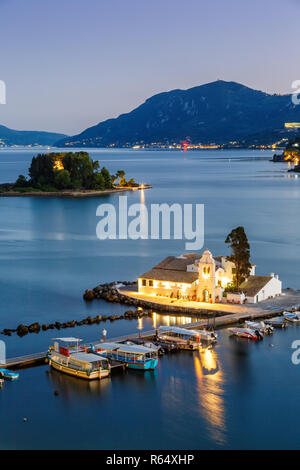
{"points": [[147, 377], [68, 386], [210, 383]]}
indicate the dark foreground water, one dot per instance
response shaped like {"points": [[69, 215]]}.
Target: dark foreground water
{"points": [[239, 395]]}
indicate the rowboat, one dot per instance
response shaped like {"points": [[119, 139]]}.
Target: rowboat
{"points": [[9, 374], [184, 338], [69, 357], [293, 317], [134, 356], [246, 333]]}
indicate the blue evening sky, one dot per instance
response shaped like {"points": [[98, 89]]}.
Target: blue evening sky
{"points": [[69, 64]]}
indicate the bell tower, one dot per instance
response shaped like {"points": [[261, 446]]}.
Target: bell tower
{"points": [[206, 279]]}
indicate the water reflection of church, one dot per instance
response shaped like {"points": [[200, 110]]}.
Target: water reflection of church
{"points": [[203, 278]]}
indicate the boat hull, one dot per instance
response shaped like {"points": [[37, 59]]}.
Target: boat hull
{"points": [[180, 343], [243, 334], [276, 323], [292, 318], [8, 374], [97, 375], [148, 365]]}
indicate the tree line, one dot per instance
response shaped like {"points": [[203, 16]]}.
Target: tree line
{"points": [[69, 170]]}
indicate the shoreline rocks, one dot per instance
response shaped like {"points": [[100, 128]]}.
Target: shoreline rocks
{"points": [[109, 292], [23, 330], [89, 295]]}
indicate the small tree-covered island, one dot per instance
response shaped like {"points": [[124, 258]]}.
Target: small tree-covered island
{"points": [[68, 173]]}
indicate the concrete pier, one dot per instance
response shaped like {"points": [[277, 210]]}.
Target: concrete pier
{"points": [[220, 321]]}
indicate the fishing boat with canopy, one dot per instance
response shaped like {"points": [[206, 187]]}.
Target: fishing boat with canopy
{"points": [[68, 356], [184, 338], [134, 356]]}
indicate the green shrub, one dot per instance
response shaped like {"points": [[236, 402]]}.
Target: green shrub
{"points": [[62, 179]]}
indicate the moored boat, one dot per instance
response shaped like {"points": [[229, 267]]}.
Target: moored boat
{"points": [[276, 322], [260, 326], [9, 374], [246, 333], [73, 360], [147, 344], [184, 338], [132, 355], [292, 317]]}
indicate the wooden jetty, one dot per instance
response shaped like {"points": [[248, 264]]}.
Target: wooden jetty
{"points": [[217, 322]]}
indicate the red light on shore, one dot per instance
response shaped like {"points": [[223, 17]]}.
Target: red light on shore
{"points": [[185, 146]]}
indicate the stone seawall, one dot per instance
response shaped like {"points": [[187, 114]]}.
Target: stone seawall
{"points": [[111, 293], [126, 293]]}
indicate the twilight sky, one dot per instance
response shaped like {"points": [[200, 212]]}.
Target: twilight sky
{"points": [[69, 64]]}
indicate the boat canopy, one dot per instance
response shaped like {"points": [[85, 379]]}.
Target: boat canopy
{"points": [[125, 348], [67, 340], [87, 357], [179, 331]]}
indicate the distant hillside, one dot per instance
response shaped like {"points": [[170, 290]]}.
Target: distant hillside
{"points": [[217, 112], [13, 137]]}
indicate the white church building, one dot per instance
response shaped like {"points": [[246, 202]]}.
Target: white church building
{"points": [[203, 278]]}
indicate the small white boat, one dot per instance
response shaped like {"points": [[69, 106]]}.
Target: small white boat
{"points": [[246, 333], [260, 326], [293, 317]]}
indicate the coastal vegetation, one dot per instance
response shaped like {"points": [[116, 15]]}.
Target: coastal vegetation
{"points": [[53, 172]]}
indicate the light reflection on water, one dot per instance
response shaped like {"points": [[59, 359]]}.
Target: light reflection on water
{"points": [[210, 390], [167, 320]]}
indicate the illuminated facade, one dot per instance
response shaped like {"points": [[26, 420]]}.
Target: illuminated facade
{"points": [[190, 276]]}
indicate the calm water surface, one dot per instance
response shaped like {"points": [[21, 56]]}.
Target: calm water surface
{"points": [[231, 397]]}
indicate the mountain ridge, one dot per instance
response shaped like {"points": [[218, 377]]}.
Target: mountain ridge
{"points": [[10, 137], [218, 111]]}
